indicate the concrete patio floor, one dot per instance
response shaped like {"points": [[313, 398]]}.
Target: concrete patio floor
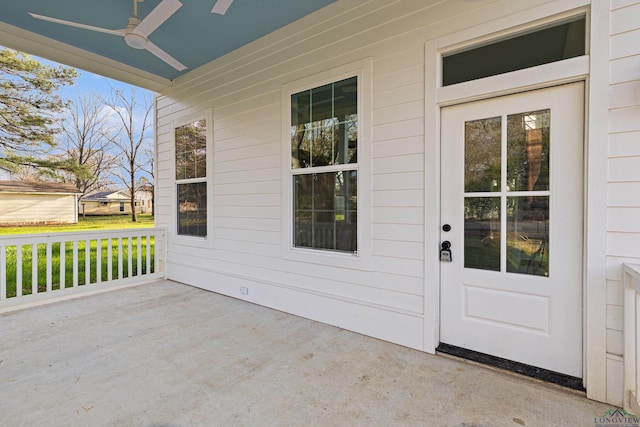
{"points": [[165, 354]]}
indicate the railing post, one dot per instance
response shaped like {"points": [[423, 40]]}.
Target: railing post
{"points": [[18, 271], [63, 263], [76, 270], [161, 254], [129, 257], [49, 268], [98, 260], [139, 255], [34, 268], [148, 249], [110, 259], [120, 258], [631, 338], [3, 272], [87, 262]]}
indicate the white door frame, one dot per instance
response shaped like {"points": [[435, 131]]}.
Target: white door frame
{"points": [[591, 68]]}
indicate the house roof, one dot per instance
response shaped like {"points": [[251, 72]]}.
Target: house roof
{"points": [[103, 196], [192, 35], [37, 187]]}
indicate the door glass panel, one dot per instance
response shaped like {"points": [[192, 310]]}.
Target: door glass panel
{"points": [[482, 233], [482, 155], [528, 151], [528, 235]]}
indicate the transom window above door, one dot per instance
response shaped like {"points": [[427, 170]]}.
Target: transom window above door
{"points": [[542, 45]]}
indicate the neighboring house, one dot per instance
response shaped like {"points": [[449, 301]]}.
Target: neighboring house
{"points": [[446, 175], [107, 203], [144, 195], [25, 203]]}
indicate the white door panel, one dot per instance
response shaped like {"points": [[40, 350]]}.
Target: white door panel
{"points": [[512, 194]]}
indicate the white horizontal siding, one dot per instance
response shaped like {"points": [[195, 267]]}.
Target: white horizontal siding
{"points": [[623, 45], [398, 147], [624, 69], [398, 198], [625, 19], [624, 169], [243, 89], [624, 95], [399, 181], [398, 232], [626, 144], [626, 220], [624, 119], [623, 195], [619, 4], [623, 244]]}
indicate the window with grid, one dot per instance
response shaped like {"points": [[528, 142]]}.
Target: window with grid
{"points": [[324, 166], [191, 178]]}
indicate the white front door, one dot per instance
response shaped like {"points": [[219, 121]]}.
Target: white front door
{"points": [[512, 202]]}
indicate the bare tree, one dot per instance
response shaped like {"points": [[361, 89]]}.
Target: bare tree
{"points": [[85, 139], [132, 112]]}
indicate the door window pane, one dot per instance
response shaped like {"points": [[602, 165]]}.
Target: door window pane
{"points": [[482, 142], [528, 151], [528, 235], [482, 233], [325, 210]]}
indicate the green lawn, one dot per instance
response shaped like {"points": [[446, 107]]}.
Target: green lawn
{"points": [[113, 222], [90, 223]]}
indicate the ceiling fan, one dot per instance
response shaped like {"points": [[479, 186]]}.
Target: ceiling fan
{"points": [[136, 34], [221, 6]]}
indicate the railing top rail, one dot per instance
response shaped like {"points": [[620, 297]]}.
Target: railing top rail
{"points": [[77, 235]]}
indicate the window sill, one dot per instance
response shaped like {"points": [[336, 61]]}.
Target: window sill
{"points": [[193, 241], [350, 260]]}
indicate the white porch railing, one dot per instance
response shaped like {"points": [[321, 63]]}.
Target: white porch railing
{"points": [[34, 267], [632, 338]]}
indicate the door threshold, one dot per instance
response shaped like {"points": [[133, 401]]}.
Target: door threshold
{"points": [[552, 377]]}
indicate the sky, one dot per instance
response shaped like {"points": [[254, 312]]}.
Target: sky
{"points": [[87, 83]]}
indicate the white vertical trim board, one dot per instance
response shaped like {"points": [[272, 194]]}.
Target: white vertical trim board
{"points": [[597, 367]]}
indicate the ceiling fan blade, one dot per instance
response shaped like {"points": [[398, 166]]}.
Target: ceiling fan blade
{"points": [[221, 6], [77, 25], [157, 16], [165, 56]]}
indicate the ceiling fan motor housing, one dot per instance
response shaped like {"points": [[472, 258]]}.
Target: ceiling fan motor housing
{"points": [[136, 41]]}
